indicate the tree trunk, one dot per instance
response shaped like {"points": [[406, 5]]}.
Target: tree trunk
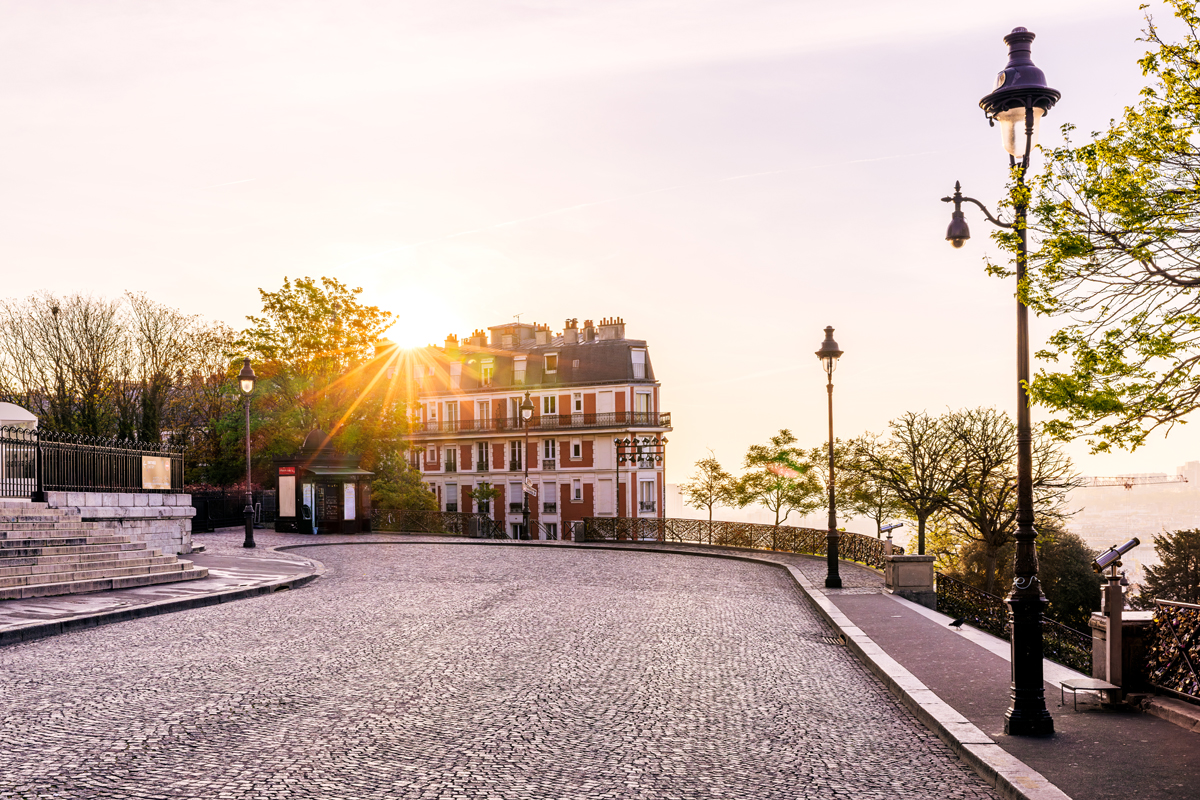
{"points": [[921, 533], [991, 555]]}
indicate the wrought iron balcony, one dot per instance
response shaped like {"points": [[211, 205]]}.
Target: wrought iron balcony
{"points": [[647, 505], [516, 508], [451, 467], [549, 422], [548, 463], [549, 508], [482, 466], [451, 507], [514, 466]]}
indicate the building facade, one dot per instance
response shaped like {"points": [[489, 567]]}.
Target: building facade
{"points": [[589, 386]]}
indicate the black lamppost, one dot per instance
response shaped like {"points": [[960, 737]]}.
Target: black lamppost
{"points": [[526, 413], [829, 355], [1019, 101], [246, 380]]}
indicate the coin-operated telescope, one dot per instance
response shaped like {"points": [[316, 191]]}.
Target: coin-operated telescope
{"points": [[1112, 556], [1114, 605]]}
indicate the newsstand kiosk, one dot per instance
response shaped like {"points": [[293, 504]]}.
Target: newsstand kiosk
{"points": [[321, 491]]}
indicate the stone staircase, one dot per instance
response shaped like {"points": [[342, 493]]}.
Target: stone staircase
{"points": [[48, 551]]}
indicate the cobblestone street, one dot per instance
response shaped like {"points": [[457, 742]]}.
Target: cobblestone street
{"points": [[461, 671]]}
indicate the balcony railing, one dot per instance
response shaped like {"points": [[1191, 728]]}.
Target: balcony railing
{"points": [[451, 467], [482, 466], [514, 466], [647, 505], [549, 508], [548, 463], [516, 508], [451, 508], [546, 422]]}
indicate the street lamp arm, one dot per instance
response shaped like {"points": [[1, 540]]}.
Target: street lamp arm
{"points": [[958, 199]]}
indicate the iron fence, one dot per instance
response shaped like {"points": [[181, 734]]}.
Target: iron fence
{"points": [[1173, 663], [225, 509], [988, 612], [33, 461], [852, 546], [461, 523]]}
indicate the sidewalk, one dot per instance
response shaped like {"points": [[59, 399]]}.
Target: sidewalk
{"points": [[234, 573]]}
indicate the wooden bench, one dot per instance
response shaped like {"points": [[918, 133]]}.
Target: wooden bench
{"points": [[1076, 685]]}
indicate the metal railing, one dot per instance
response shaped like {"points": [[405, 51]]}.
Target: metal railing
{"points": [[514, 466], [786, 538], [224, 509], [37, 460], [989, 612], [611, 419], [549, 508], [516, 508], [1173, 662], [548, 463], [473, 525], [647, 505]]}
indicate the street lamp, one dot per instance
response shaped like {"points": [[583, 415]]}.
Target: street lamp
{"points": [[829, 355], [246, 380], [526, 413], [1021, 95]]}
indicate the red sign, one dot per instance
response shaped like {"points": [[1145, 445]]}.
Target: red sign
{"points": [[287, 470]]}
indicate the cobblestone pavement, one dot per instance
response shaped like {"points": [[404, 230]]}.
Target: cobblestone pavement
{"points": [[450, 671]]}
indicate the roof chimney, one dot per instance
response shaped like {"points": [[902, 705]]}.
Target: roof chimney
{"points": [[477, 338], [541, 334], [571, 332], [589, 331], [613, 328], [451, 343]]}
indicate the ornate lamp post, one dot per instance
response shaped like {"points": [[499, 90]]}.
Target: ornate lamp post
{"points": [[1019, 101], [829, 355], [526, 413], [246, 379]]}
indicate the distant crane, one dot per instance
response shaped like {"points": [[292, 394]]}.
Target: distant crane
{"points": [[1129, 481]]}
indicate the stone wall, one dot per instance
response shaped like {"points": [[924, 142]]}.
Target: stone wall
{"points": [[162, 521]]}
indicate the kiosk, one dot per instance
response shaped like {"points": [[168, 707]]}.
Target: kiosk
{"points": [[321, 491]]}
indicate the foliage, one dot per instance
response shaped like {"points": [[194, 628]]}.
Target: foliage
{"points": [[1118, 220], [398, 487], [709, 486], [918, 462], [1178, 576], [312, 348], [483, 495], [778, 479], [983, 498]]}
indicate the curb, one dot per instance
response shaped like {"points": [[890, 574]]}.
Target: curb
{"points": [[41, 630]]}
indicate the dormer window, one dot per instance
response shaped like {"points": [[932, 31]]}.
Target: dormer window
{"points": [[639, 364], [519, 371], [487, 370], [551, 364]]}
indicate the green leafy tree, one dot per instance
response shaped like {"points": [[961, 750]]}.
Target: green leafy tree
{"points": [[918, 462], [1118, 221], [709, 486], [399, 487], [483, 495], [1178, 576], [778, 479]]}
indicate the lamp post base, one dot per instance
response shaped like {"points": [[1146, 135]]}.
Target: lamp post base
{"points": [[833, 579], [249, 542], [1028, 722]]}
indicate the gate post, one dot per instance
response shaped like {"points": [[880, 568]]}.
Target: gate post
{"points": [[39, 492]]}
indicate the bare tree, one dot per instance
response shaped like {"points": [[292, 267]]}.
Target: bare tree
{"points": [[709, 486], [918, 462]]}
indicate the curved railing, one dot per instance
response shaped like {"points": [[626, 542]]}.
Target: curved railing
{"points": [[989, 612], [470, 524], [1174, 658], [784, 538]]}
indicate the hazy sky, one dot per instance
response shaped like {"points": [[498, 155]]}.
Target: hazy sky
{"points": [[730, 176]]}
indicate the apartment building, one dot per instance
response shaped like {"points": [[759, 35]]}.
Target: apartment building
{"points": [[589, 386]]}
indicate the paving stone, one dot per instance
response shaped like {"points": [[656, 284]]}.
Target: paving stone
{"points": [[457, 671]]}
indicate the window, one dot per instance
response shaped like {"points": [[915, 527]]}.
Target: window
{"points": [[551, 530], [577, 489], [455, 375], [514, 411], [481, 456], [576, 449], [516, 498], [483, 413], [549, 404], [431, 454], [575, 363], [641, 402], [519, 371], [451, 417], [451, 458], [577, 402], [639, 364], [549, 498], [549, 448], [487, 370], [646, 496], [551, 364], [514, 456], [451, 497]]}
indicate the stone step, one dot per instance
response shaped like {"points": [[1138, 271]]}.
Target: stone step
{"points": [[92, 574], [10, 531], [17, 523], [56, 550], [101, 584], [81, 557], [61, 541], [35, 567]]}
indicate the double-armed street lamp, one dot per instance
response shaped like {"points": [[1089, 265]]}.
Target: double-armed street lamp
{"points": [[246, 379], [829, 355], [1019, 101], [526, 413]]}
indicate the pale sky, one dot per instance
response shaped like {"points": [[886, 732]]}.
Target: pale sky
{"points": [[730, 176]]}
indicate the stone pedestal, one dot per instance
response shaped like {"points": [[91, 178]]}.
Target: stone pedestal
{"points": [[911, 577], [162, 521], [1135, 628]]}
